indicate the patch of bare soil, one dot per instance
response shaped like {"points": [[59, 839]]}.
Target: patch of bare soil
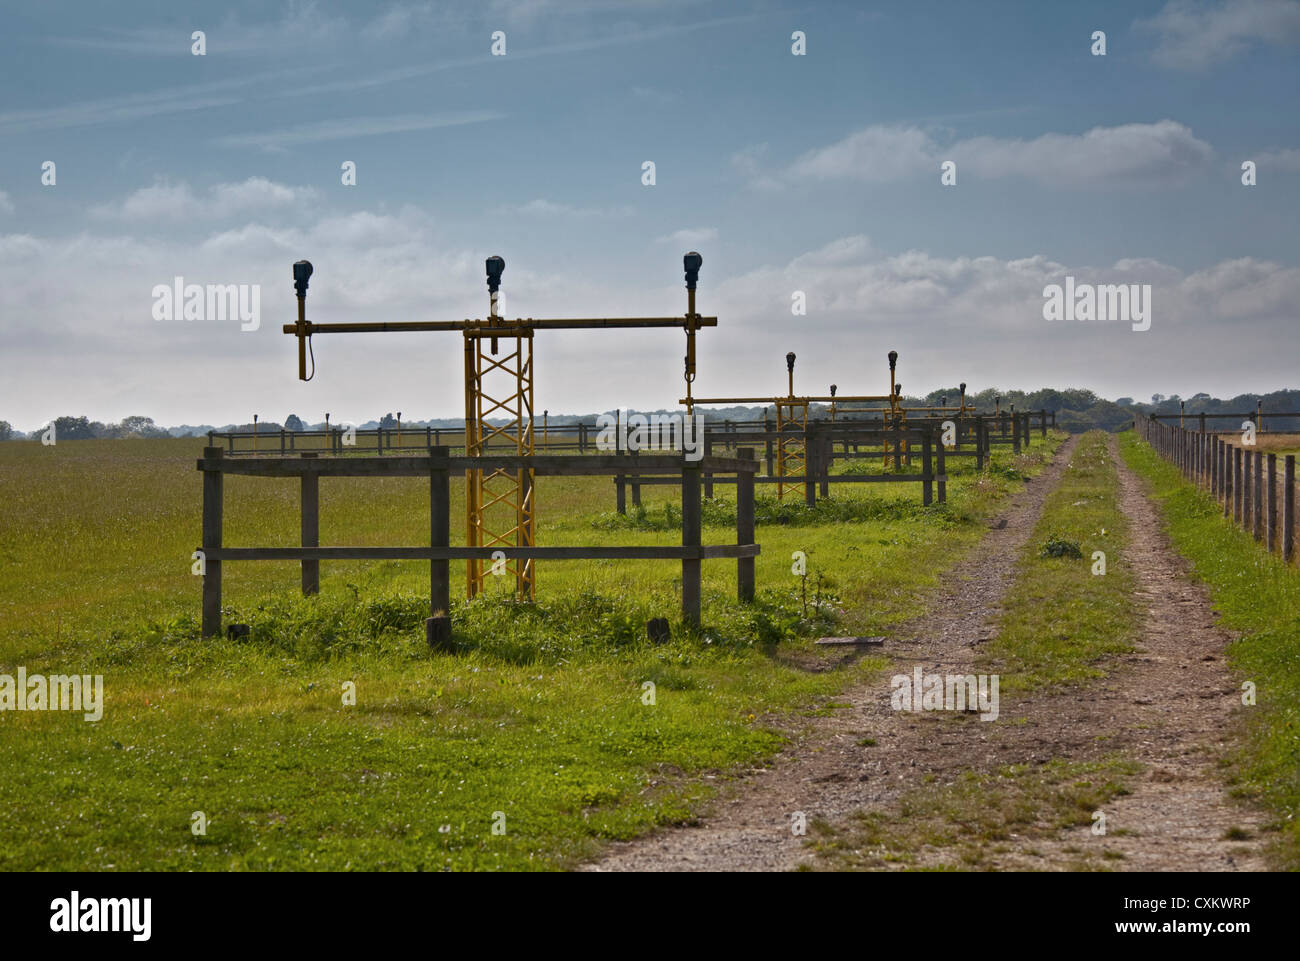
{"points": [[1166, 707]]}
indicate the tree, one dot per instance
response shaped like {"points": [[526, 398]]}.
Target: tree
{"points": [[293, 423], [1125, 401], [72, 428], [6, 430], [138, 426], [387, 422], [1157, 398]]}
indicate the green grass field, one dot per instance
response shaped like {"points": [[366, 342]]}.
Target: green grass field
{"points": [[538, 716]]}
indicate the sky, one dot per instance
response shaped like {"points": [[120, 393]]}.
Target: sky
{"points": [[818, 173]]}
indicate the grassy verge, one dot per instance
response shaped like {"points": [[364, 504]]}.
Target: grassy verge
{"points": [[538, 721], [1259, 599], [1061, 619]]}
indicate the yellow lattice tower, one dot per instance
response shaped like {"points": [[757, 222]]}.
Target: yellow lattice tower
{"points": [[895, 416], [791, 450], [499, 503]]}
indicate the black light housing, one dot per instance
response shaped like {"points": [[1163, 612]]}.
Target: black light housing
{"points": [[789, 361], [833, 388], [962, 387], [692, 263], [496, 266], [301, 273], [893, 359]]}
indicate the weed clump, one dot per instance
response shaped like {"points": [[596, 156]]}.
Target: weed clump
{"points": [[1058, 546]]}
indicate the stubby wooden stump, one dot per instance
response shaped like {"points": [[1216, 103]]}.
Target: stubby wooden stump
{"points": [[437, 631], [236, 631], [658, 629]]}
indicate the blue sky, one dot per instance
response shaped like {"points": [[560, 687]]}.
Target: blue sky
{"points": [[817, 173]]}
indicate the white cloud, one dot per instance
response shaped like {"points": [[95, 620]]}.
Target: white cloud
{"points": [[1127, 153], [689, 236], [1286, 160], [547, 208], [1194, 35], [167, 201], [94, 348]]}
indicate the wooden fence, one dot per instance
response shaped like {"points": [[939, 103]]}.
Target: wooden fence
{"points": [[825, 441], [581, 438], [1246, 482], [437, 465]]}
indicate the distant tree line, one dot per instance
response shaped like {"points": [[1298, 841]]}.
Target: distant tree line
{"points": [[1076, 411]]}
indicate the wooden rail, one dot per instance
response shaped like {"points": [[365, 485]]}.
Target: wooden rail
{"points": [[437, 466], [572, 437], [822, 438], [1244, 481]]}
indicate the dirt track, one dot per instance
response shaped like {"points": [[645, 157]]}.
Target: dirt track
{"points": [[1165, 707]]}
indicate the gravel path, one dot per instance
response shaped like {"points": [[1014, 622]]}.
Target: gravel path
{"points": [[1166, 706], [825, 773]]}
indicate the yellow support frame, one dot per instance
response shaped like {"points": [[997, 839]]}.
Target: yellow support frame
{"points": [[791, 449], [499, 504]]}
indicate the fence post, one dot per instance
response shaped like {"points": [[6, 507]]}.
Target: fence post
{"points": [[438, 627], [767, 429], [745, 526], [212, 507], [810, 466], [1226, 480], [620, 490], [1271, 519], [1247, 492], [1288, 508], [310, 527], [927, 474], [1042, 421], [691, 528], [941, 465], [708, 475], [1236, 485], [1257, 502], [1015, 433], [980, 439], [824, 444]]}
